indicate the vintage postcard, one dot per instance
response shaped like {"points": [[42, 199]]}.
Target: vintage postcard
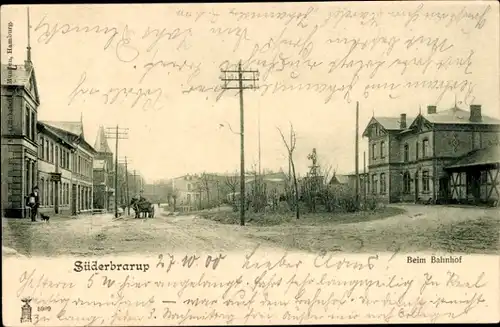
{"points": [[250, 163]]}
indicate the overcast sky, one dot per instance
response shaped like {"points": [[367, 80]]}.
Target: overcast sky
{"points": [[187, 132]]}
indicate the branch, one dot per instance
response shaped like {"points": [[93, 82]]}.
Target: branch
{"points": [[284, 141]]}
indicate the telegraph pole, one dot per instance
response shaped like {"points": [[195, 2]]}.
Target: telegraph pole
{"points": [[125, 162], [135, 182], [240, 76], [118, 134], [357, 154], [364, 177], [258, 122]]}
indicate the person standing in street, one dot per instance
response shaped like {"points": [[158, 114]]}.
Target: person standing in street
{"points": [[34, 203]]}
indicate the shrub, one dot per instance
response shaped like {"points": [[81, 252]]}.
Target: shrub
{"points": [[370, 203]]}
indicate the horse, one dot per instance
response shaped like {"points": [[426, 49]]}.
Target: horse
{"points": [[142, 206]]}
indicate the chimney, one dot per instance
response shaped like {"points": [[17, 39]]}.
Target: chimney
{"points": [[431, 110], [475, 113], [402, 121]]}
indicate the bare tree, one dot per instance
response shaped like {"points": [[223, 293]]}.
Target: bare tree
{"points": [[290, 147], [205, 185], [232, 182]]}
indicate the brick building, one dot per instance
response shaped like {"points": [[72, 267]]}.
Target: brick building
{"points": [[20, 101], [81, 161], [412, 159], [54, 170], [51, 155]]}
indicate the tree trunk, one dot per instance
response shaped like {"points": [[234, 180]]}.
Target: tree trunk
{"points": [[297, 209]]}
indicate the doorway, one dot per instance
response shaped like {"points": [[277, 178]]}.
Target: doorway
{"points": [[73, 199], [416, 187], [56, 202], [443, 189]]}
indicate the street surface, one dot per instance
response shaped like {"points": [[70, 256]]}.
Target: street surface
{"points": [[103, 234]]}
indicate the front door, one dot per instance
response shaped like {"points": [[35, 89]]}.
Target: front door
{"points": [[473, 185], [56, 202], [73, 199], [443, 189]]}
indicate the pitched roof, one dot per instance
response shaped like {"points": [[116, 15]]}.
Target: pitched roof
{"points": [[489, 155], [20, 75], [456, 115], [388, 123], [56, 133], [101, 142], [340, 179], [75, 128], [15, 75], [393, 123], [272, 177]]}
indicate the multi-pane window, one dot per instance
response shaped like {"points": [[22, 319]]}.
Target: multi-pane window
{"points": [[41, 147], [425, 181], [382, 183], [27, 177], [42, 191], [33, 126], [425, 148], [51, 193], [382, 149], [47, 150], [374, 151], [57, 155], [51, 152], [27, 123], [406, 152], [374, 184], [406, 182]]}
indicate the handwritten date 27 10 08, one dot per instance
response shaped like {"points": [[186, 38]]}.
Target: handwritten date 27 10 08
{"points": [[188, 261]]}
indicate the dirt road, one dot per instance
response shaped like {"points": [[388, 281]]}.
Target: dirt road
{"points": [[103, 234]]}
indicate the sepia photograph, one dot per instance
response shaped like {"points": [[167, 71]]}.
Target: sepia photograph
{"points": [[244, 163]]}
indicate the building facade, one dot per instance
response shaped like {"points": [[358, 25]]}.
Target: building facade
{"points": [[54, 170], [102, 173], [186, 191], [20, 102], [409, 157], [76, 178]]}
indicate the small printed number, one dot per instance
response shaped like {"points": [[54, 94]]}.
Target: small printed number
{"points": [[45, 308]]}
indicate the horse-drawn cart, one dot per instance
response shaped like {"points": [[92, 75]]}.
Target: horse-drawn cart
{"points": [[141, 205]]}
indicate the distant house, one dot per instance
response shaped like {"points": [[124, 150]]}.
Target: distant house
{"points": [[187, 194], [349, 181], [273, 183], [103, 170]]}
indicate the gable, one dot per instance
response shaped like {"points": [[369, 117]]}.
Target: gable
{"points": [[374, 129], [420, 124], [32, 87]]}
